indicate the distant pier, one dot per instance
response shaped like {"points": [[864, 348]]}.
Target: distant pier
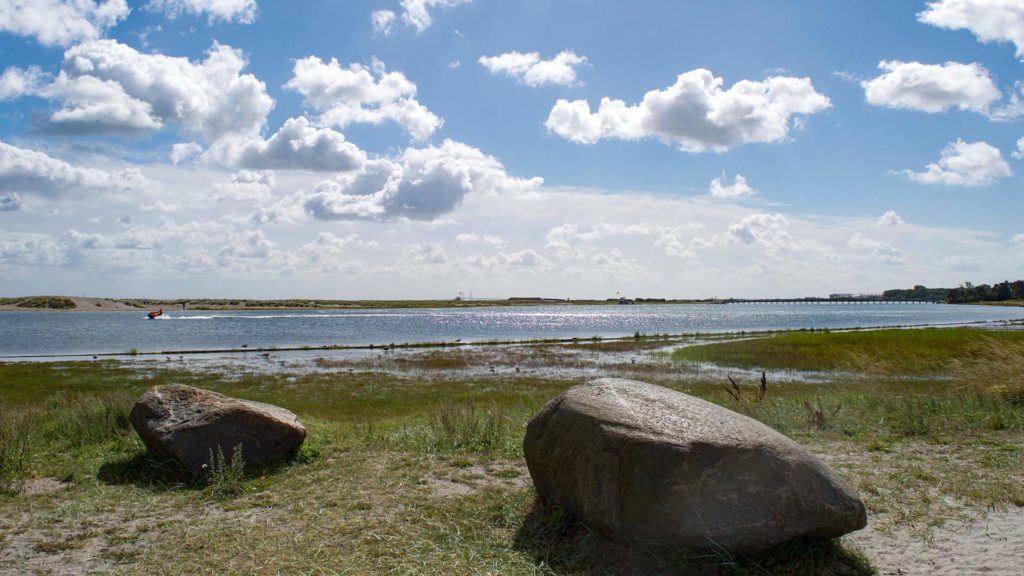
{"points": [[853, 300]]}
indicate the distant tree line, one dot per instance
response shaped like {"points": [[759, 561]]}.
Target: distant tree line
{"points": [[965, 294], [918, 293], [1004, 290]]}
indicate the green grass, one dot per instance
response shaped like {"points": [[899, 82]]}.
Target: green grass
{"points": [[1018, 302], [913, 352], [372, 489]]}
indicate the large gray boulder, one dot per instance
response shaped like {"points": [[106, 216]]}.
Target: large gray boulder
{"points": [[647, 465], [186, 424]]}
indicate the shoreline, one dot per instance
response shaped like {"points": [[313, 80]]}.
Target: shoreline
{"points": [[667, 338]]}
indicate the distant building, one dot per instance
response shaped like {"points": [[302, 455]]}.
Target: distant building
{"points": [[841, 296]]}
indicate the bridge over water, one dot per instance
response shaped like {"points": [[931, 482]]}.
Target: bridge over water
{"points": [[824, 301]]}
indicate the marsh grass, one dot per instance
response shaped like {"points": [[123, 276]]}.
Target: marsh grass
{"points": [[77, 420], [887, 352], [994, 366]]}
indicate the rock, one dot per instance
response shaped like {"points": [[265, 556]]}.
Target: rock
{"points": [[186, 424], [647, 465]]}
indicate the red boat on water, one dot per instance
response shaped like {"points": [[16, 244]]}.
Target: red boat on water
{"points": [[155, 315]]}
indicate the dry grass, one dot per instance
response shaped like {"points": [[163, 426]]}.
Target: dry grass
{"points": [[993, 366]]}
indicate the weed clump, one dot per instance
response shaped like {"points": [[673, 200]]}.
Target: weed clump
{"points": [[226, 476], [17, 440]]}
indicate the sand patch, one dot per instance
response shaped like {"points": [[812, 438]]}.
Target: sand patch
{"points": [[990, 545]]}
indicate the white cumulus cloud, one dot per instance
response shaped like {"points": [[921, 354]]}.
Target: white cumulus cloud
{"points": [[246, 185], [383, 21], [16, 82], [185, 151], [890, 218], [767, 230], [964, 164], [421, 184], [989, 20], [738, 189], [29, 171], [695, 113], [530, 69], [61, 22], [417, 13], [361, 94], [1019, 152], [111, 87], [296, 146], [932, 87], [241, 11]]}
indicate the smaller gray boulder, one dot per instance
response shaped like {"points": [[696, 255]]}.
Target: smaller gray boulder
{"points": [[648, 465], [187, 424]]}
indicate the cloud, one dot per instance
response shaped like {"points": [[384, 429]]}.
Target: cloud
{"points": [[94, 106], [426, 253], [531, 70], [383, 22], [240, 11], [10, 202], [964, 164], [185, 151], [1019, 153], [738, 189], [328, 253], [61, 23], [1017, 239], [932, 87], [877, 249], [767, 230], [416, 13], [989, 20], [695, 113], [246, 185], [110, 87], [29, 171], [360, 94], [247, 244], [470, 238], [421, 184], [17, 82], [890, 218], [296, 146]]}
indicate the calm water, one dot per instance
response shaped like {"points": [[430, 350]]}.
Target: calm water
{"points": [[65, 333]]}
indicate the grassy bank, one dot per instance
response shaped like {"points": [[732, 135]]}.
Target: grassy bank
{"points": [[908, 352], [425, 474]]}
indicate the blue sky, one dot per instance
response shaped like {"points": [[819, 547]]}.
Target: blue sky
{"points": [[418, 148]]}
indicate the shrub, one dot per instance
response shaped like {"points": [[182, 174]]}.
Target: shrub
{"points": [[52, 302]]}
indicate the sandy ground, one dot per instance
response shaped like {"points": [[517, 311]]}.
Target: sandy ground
{"points": [[990, 545]]}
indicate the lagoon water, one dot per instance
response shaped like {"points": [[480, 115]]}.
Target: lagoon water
{"points": [[70, 333]]}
